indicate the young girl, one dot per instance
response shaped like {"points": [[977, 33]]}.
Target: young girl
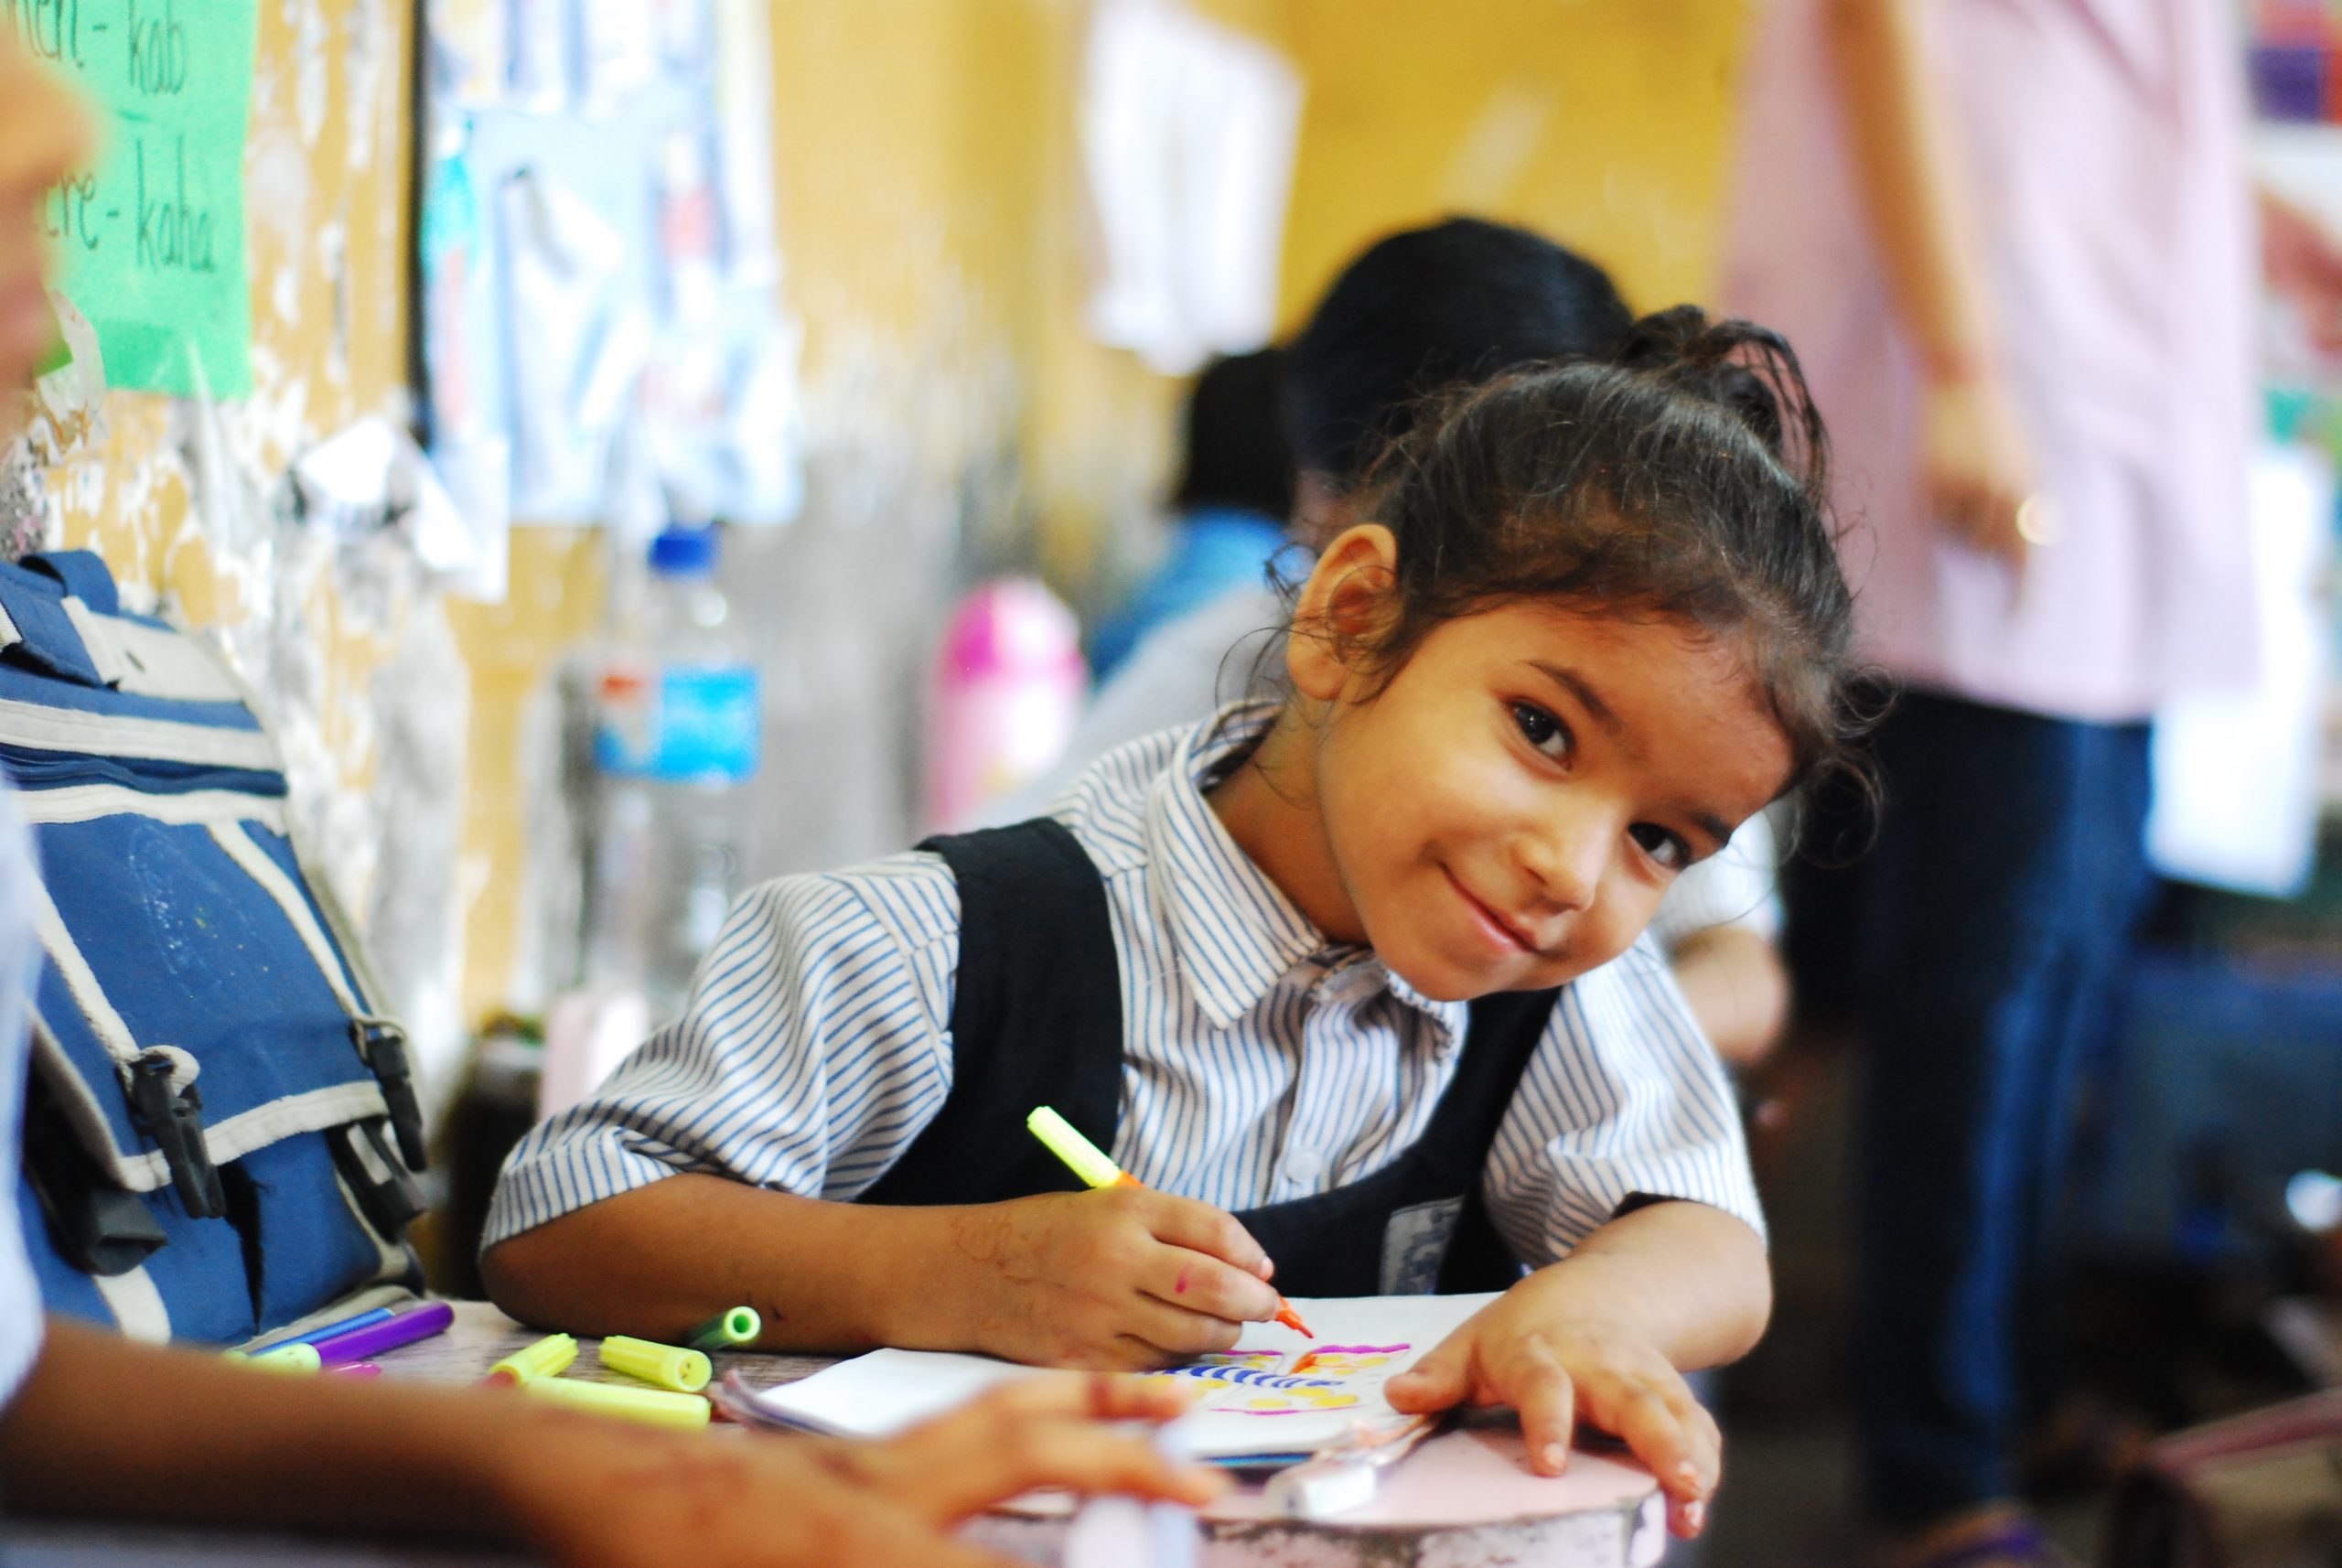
{"points": [[1346, 983]]}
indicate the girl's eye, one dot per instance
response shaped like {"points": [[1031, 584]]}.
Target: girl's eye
{"points": [[1541, 729], [1661, 846]]}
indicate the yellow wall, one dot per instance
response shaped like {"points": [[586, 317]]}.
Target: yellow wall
{"points": [[934, 229], [1599, 121], [328, 338]]}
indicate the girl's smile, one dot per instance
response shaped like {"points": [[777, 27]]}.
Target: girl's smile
{"points": [[1504, 813]]}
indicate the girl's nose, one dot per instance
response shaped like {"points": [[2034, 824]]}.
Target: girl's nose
{"points": [[1566, 860]]}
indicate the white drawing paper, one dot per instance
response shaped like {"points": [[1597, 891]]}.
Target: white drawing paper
{"points": [[1263, 1397]]}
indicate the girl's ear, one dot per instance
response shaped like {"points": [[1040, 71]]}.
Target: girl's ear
{"points": [[1344, 606]]}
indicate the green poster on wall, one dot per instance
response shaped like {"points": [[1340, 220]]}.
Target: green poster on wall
{"points": [[150, 244]]}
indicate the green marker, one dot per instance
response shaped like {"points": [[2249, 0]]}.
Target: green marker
{"points": [[726, 1330], [1084, 1158]]}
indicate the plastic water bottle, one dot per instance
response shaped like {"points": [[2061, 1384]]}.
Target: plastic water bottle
{"points": [[678, 739]]}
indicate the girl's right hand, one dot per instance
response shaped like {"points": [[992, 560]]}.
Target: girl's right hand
{"points": [[1120, 1279], [1976, 467], [591, 1493]]}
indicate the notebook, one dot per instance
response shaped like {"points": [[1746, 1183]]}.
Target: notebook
{"points": [[1277, 1394]]}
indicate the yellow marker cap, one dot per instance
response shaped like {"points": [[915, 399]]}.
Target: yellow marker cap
{"points": [[548, 1358], [668, 1366], [287, 1358], [1080, 1155], [651, 1405]]}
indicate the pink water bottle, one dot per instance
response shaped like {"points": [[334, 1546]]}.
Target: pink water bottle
{"points": [[1009, 681]]}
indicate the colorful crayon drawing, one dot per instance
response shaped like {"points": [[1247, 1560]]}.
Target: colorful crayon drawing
{"points": [[1257, 1360], [1255, 1382], [1348, 1360]]}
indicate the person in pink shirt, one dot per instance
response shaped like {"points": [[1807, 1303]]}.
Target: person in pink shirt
{"points": [[2013, 244]]}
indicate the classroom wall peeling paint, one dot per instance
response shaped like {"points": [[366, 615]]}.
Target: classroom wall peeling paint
{"points": [[957, 418]]}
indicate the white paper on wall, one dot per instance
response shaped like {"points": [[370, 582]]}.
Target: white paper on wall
{"points": [[571, 349], [1188, 132], [372, 476]]}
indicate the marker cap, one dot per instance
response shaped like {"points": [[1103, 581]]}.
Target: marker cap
{"points": [[548, 1358], [668, 1366]]}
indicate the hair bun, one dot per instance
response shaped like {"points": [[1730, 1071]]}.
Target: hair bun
{"points": [[1749, 369]]}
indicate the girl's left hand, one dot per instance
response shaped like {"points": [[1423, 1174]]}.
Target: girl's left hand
{"points": [[1556, 1368]]}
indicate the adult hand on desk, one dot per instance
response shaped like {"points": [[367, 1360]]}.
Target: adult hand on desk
{"points": [[1117, 1279], [1557, 1367], [599, 1495]]}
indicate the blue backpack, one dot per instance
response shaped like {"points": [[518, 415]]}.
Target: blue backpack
{"points": [[219, 1125]]}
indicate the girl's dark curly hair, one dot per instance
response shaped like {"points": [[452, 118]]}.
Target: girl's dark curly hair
{"points": [[1686, 477]]}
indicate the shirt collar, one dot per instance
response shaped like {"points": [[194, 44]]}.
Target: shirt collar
{"points": [[1234, 931]]}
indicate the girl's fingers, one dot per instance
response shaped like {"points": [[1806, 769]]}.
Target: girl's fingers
{"points": [[1657, 1434], [1198, 1281], [1442, 1379], [1177, 1334], [999, 1413], [1098, 1396], [1536, 1386], [1668, 1431], [1075, 1455], [1201, 1227]]}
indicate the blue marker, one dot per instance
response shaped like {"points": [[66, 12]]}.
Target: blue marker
{"points": [[379, 1315]]}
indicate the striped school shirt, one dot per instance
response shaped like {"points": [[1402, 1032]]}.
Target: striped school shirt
{"points": [[1261, 1063]]}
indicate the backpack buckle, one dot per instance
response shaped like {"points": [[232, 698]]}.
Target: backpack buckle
{"points": [[382, 1042], [100, 1228], [172, 1113]]}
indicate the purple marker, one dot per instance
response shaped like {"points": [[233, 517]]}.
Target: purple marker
{"points": [[404, 1328]]}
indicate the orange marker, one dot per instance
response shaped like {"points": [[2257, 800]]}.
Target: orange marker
{"points": [[1092, 1164]]}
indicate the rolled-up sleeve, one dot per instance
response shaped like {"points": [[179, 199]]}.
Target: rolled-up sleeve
{"points": [[814, 1050], [1624, 1097]]}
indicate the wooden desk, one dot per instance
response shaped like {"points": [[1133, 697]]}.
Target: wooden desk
{"points": [[1589, 1520], [481, 1336], [1465, 1500]]}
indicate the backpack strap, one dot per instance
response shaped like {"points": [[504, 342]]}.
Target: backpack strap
{"points": [[1037, 1018], [83, 573]]}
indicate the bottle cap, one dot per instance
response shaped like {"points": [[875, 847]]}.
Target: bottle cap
{"points": [[684, 552]]}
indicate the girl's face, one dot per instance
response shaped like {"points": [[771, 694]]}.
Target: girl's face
{"points": [[44, 136], [1507, 812]]}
